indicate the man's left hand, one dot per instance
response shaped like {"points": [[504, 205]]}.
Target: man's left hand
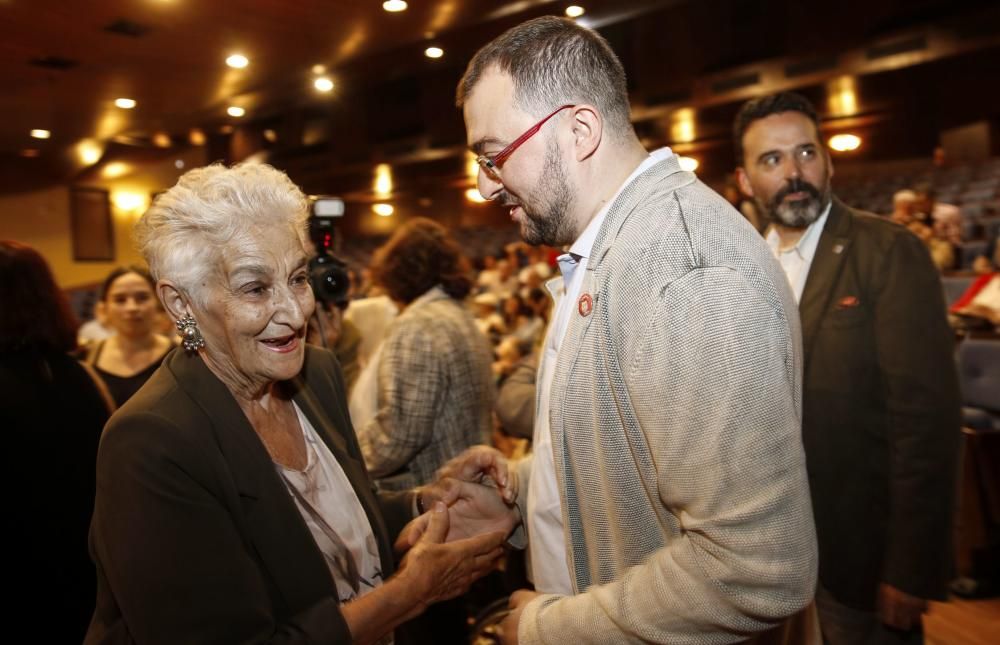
{"points": [[508, 628], [898, 609]]}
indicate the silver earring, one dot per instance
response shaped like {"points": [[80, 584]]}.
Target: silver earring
{"points": [[192, 338]]}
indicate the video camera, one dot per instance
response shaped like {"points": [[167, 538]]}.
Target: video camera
{"points": [[328, 275]]}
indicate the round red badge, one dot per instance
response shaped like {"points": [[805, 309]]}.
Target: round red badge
{"points": [[585, 305]]}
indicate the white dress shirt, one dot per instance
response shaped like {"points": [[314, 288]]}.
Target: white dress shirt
{"points": [[797, 259], [547, 539]]}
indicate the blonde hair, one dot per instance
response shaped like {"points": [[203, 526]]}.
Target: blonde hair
{"points": [[181, 233]]}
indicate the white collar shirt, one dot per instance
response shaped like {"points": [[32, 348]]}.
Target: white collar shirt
{"points": [[796, 260]]}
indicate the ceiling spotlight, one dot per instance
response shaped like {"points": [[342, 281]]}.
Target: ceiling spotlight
{"points": [[474, 196], [197, 137], [394, 5], [689, 164], [237, 61], [125, 104], [433, 52], [40, 134], [383, 210], [574, 11], [323, 84], [319, 69], [161, 140], [236, 111], [845, 142]]}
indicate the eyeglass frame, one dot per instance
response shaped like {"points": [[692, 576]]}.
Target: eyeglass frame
{"points": [[491, 164]]}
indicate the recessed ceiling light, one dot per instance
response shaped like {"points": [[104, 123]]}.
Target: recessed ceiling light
{"points": [[40, 134], [161, 140], [236, 111], [319, 69], [125, 104], [323, 84], [474, 196], [574, 11], [394, 5], [197, 137], [383, 210], [433, 52], [689, 164], [845, 142], [237, 61]]}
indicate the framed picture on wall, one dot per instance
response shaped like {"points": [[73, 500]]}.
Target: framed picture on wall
{"points": [[91, 225]]}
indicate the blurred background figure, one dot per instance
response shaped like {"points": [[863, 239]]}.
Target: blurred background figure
{"points": [[52, 413], [435, 391], [126, 359]]}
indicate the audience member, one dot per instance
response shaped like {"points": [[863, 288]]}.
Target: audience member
{"points": [[904, 203], [666, 499], [944, 219], [52, 413], [435, 391], [880, 418], [127, 358]]}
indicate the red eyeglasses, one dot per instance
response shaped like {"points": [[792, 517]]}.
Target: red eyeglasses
{"points": [[491, 165]]}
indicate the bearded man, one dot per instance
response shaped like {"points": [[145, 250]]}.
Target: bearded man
{"points": [[666, 500], [880, 401]]}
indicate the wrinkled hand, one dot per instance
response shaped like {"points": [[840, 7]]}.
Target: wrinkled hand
{"points": [[435, 571], [473, 509], [483, 464], [898, 609], [509, 625]]}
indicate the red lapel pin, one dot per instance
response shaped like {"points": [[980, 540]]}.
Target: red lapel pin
{"points": [[585, 305]]}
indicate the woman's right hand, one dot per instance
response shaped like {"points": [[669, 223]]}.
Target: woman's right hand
{"points": [[434, 570]]}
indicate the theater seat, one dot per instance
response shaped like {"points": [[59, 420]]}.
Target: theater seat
{"points": [[979, 373]]}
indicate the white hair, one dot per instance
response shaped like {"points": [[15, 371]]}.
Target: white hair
{"points": [[181, 233]]}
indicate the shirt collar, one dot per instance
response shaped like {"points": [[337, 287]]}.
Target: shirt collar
{"points": [[806, 246], [584, 244]]}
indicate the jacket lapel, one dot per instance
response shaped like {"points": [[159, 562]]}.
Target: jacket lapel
{"points": [[275, 528], [824, 272]]}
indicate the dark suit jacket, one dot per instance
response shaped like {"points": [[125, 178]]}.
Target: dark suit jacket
{"points": [[881, 408], [195, 536]]}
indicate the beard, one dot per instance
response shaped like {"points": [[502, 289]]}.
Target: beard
{"points": [[546, 209], [801, 212]]}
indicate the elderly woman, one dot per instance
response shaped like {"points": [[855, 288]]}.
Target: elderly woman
{"points": [[435, 385], [232, 503]]}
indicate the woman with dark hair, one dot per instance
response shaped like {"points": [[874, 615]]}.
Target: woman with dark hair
{"points": [[435, 389], [52, 413], [128, 358]]}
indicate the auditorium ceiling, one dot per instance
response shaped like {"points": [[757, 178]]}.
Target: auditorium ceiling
{"points": [[897, 71]]}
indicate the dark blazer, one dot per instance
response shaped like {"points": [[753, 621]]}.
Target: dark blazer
{"points": [[195, 536], [881, 422], [51, 413]]}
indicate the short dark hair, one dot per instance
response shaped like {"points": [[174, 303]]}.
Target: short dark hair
{"points": [[119, 272], [419, 256], [765, 106], [36, 312], [554, 61]]}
